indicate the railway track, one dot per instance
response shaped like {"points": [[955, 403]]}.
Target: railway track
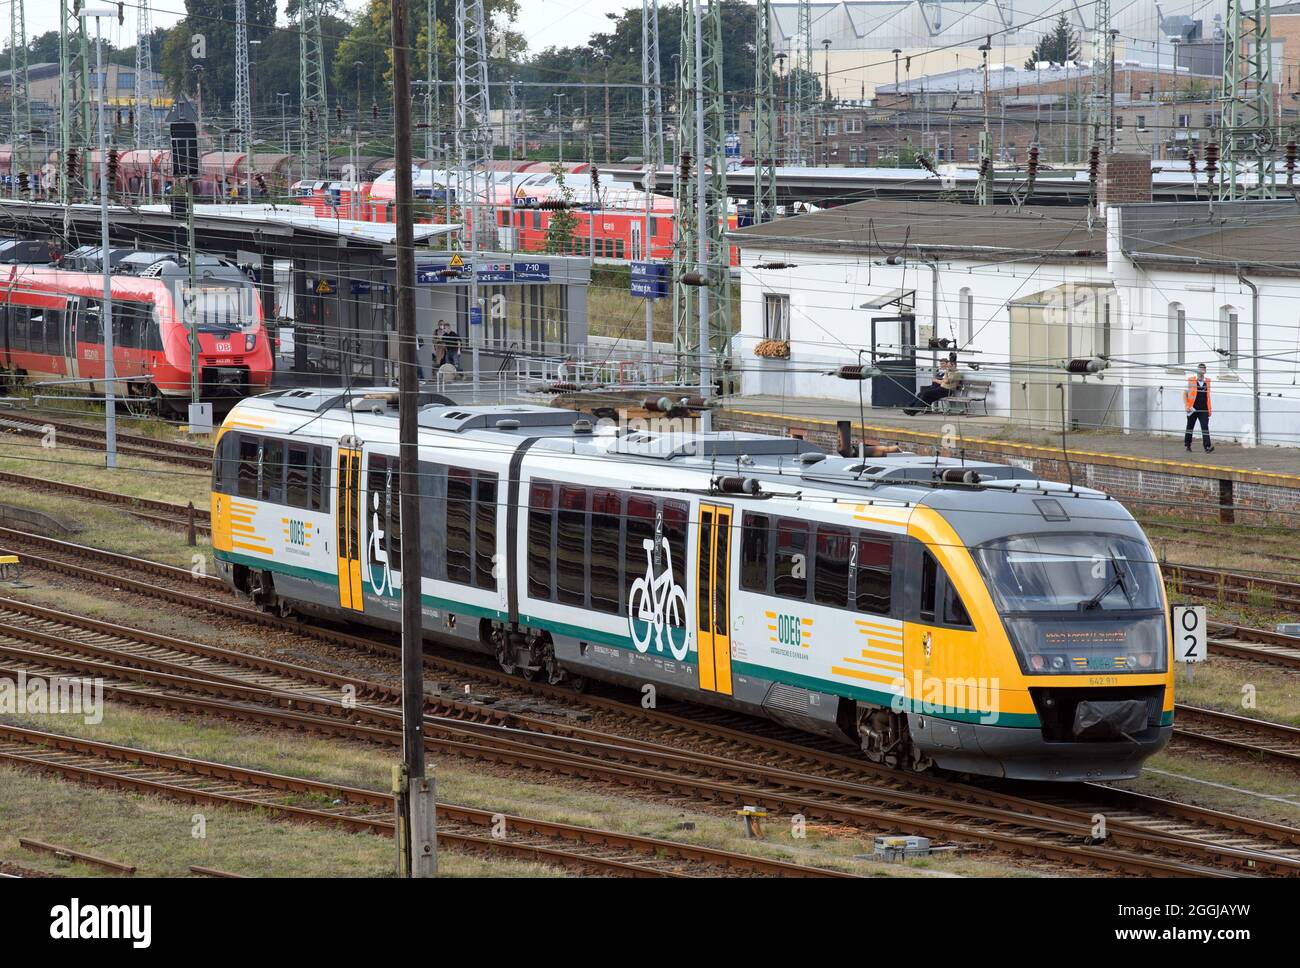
{"points": [[1221, 585], [161, 513], [1258, 645], [1272, 743], [91, 438], [153, 670], [360, 810]]}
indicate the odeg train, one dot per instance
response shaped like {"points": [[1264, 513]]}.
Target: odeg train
{"points": [[932, 612]]}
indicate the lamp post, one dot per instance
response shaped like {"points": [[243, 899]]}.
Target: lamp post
{"points": [[252, 113], [106, 311], [559, 123]]}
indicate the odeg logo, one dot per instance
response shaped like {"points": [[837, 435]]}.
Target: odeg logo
{"points": [[102, 922]]}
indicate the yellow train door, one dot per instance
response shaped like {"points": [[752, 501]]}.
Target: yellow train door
{"points": [[713, 597], [347, 513]]}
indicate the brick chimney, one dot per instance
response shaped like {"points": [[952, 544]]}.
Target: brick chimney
{"points": [[1124, 178]]}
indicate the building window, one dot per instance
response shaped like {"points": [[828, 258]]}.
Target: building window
{"points": [[852, 125], [125, 81], [1142, 122], [1184, 120], [1119, 121], [970, 152], [776, 316], [1229, 327], [1178, 332], [966, 319]]}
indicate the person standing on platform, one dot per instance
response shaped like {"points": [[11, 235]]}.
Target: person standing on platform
{"points": [[1197, 400]]}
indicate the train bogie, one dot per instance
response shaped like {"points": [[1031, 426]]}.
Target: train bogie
{"points": [[877, 605]]}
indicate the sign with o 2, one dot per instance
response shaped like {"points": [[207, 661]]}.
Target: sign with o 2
{"points": [[1189, 633]]}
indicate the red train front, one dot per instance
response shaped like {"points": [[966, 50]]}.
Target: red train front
{"points": [[51, 329]]}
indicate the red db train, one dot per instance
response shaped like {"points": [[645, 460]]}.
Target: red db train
{"points": [[52, 332]]}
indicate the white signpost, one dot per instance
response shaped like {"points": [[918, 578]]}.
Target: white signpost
{"points": [[1190, 645]]}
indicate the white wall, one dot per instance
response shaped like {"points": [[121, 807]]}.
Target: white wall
{"points": [[827, 329]]}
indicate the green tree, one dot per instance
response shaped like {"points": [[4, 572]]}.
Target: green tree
{"points": [[1057, 46], [563, 224]]}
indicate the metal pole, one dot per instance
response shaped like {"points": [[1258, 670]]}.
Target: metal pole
{"points": [[701, 218], [419, 831], [110, 371]]}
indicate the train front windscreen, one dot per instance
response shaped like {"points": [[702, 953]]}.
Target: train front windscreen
{"points": [[223, 310], [1078, 603]]}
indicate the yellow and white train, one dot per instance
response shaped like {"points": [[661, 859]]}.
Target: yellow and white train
{"points": [[965, 615]]}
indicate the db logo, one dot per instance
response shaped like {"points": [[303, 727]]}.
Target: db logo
{"points": [[223, 347], [926, 644]]}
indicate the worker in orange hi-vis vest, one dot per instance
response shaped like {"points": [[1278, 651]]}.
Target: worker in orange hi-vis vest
{"points": [[1197, 401]]}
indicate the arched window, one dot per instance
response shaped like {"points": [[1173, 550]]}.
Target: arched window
{"points": [[1229, 338], [1178, 332], [966, 318]]}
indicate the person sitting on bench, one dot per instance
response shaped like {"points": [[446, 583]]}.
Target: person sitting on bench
{"points": [[945, 383]]}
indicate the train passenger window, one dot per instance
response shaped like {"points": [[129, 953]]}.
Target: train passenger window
{"points": [[571, 546], [605, 522], [831, 568], [929, 587], [754, 553], [676, 517], [791, 559], [460, 501], [273, 471], [485, 530], [537, 220], [225, 464], [249, 454], [295, 481], [875, 576], [91, 331], [639, 528], [126, 325], [319, 489], [618, 248], [540, 500], [18, 330]]}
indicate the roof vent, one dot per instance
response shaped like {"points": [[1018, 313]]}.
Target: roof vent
{"points": [[508, 423], [811, 457]]}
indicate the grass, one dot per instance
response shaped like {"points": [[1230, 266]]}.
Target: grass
{"points": [[498, 791], [1224, 683], [114, 530], [1178, 777], [612, 310], [134, 476], [157, 837]]}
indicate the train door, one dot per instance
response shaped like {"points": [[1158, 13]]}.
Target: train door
{"points": [[713, 598], [71, 365], [636, 241], [347, 515]]}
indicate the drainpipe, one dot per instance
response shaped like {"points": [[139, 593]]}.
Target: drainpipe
{"points": [[1254, 350]]}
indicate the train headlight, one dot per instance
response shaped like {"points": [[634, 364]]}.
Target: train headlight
{"points": [[1145, 660], [1036, 662], [1058, 662], [250, 340]]}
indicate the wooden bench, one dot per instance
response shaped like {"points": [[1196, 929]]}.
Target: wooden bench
{"points": [[969, 393]]}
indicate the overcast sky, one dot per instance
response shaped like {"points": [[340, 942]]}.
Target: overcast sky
{"points": [[543, 23]]}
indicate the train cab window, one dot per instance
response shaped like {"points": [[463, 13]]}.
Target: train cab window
{"points": [[249, 453], [295, 479], [754, 553], [831, 566], [954, 609], [929, 587], [460, 501], [541, 496], [639, 524], [225, 463], [875, 576], [571, 545], [485, 530], [605, 525], [273, 471], [152, 323], [791, 559]]}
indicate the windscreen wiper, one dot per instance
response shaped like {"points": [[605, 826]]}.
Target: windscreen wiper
{"points": [[1116, 582]]}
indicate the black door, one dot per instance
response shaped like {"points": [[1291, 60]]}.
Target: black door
{"points": [[893, 352]]}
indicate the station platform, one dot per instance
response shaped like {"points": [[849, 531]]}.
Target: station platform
{"points": [[1233, 480]]}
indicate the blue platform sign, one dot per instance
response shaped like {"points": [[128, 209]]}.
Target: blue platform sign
{"points": [[649, 280], [533, 271], [359, 288], [476, 315], [496, 272], [437, 273]]}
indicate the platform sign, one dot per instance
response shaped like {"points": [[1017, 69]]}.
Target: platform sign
{"points": [[435, 273], [533, 271], [649, 280], [476, 315], [496, 272], [1190, 640]]}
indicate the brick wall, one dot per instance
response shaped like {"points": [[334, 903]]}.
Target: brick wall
{"points": [[1124, 178]]}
